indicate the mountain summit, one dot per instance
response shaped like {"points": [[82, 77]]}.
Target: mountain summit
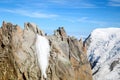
{"points": [[104, 53]]}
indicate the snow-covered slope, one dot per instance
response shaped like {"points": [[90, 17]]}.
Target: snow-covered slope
{"points": [[104, 53]]}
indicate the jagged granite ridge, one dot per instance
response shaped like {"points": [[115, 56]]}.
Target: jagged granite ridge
{"points": [[68, 60]]}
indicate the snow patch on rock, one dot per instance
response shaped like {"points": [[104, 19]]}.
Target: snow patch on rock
{"points": [[42, 52]]}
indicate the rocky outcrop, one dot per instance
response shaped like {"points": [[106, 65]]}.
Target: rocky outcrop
{"points": [[68, 60]]}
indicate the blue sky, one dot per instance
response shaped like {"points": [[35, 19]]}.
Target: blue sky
{"points": [[78, 17]]}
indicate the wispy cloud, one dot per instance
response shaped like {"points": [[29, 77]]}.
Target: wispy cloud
{"points": [[86, 5], [5, 1], [30, 13], [72, 3], [83, 19], [87, 20], [58, 1], [114, 3]]}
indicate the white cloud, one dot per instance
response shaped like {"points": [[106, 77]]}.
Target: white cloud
{"points": [[82, 19], [117, 1], [72, 3], [58, 1], [30, 13], [5, 1], [87, 20], [114, 3], [86, 5]]}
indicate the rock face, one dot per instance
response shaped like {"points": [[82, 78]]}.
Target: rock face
{"points": [[104, 53], [68, 60]]}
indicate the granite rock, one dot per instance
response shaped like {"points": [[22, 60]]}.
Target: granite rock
{"points": [[68, 59]]}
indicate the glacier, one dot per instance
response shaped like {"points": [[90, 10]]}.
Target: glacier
{"points": [[104, 53]]}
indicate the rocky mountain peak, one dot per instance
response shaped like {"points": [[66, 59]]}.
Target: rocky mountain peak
{"points": [[60, 32], [33, 27], [18, 60]]}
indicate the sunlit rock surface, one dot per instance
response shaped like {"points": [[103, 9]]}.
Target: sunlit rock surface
{"points": [[18, 61]]}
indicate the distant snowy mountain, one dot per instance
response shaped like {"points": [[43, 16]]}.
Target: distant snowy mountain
{"points": [[104, 53]]}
